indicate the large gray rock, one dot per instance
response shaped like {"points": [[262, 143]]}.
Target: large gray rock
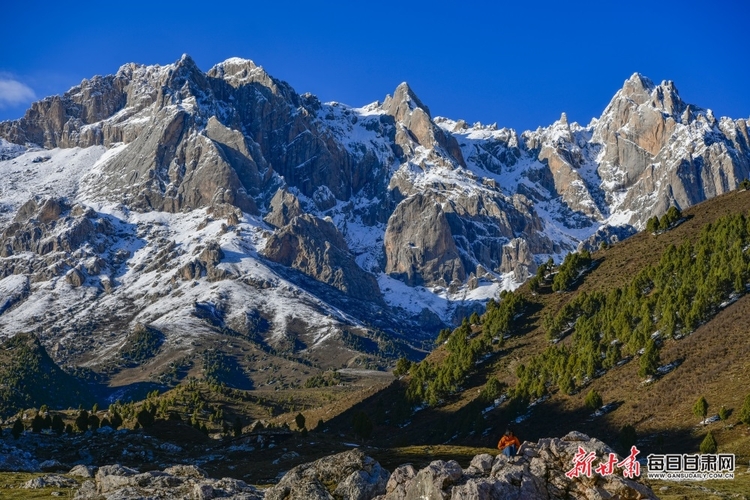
{"points": [[50, 481], [177, 482], [283, 208], [349, 476]]}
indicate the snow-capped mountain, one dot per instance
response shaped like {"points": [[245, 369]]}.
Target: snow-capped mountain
{"points": [[224, 203]]}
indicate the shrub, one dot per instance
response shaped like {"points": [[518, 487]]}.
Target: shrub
{"points": [[82, 421], [18, 428]]}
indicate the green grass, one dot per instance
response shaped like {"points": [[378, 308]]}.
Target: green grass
{"points": [[738, 488], [422, 456], [11, 482]]}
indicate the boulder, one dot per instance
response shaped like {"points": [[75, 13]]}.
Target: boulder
{"points": [[84, 471], [50, 481], [350, 476]]}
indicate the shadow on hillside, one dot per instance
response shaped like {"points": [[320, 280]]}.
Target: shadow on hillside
{"points": [[550, 419], [395, 424]]}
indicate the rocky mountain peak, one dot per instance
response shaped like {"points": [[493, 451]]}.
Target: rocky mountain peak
{"points": [[637, 87], [666, 98], [237, 71], [403, 102]]}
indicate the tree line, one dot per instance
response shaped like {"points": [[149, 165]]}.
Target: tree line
{"points": [[667, 300]]}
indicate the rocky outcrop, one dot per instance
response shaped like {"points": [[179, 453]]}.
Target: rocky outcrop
{"points": [[608, 235], [178, 482], [316, 247], [48, 238], [666, 152], [416, 125], [419, 246], [283, 208], [538, 472], [350, 475]]}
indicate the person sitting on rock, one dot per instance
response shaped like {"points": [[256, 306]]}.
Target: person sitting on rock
{"points": [[509, 444]]}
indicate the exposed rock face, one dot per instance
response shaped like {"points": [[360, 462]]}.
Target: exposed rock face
{"points": [[664, 151], [315, 247], [283, 208], [416, 125], [419, 247], [426, 200]]}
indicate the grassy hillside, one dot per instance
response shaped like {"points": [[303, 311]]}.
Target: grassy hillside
{"points": [[712, 362]]}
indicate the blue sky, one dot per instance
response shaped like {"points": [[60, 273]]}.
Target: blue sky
{"points": [[518, 64]]}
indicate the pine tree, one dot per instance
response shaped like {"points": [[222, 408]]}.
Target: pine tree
{"points": [[58, 426], [82, 421], [116, 420], [362, 425], [145, 418], [18, 428], [402, 367], [745, 411], [36, 423], [649, 360], [300, 421], [723, 413], [627, 437], [700, 409], [593, 400], [709, 445], [94, 422]]}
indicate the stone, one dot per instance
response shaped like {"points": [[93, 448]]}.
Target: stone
{"points": [[50, 481], [84, 471], [52, 466], [283, 208], [349, 475], [432, 482], [538, 472]]}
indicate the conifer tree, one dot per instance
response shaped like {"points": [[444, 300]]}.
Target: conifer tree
{"points": [[700, 409], [709, 445], [649, 360], [593, 400], [745, 411], [300, 421], [18, 428], [58, 426]]}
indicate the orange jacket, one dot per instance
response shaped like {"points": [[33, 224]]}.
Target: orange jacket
{"points": [[506, 441]]}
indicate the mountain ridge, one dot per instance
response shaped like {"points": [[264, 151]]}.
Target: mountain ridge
{"points": [[178, 187]]}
